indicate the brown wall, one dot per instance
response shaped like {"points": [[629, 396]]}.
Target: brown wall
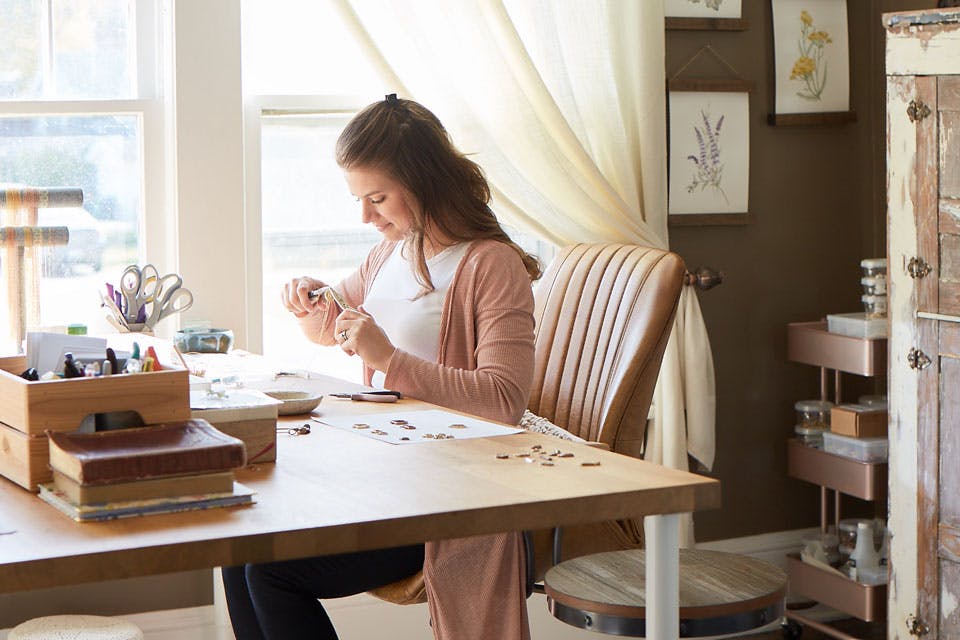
{"points": [[817, 195]]}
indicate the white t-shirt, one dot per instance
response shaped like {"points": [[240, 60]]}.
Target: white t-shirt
{"points": [[412, 325]]}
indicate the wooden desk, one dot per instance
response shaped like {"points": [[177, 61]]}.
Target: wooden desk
{"points": [[333, 491]]}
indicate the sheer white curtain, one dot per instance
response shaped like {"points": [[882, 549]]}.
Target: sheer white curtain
{"points": [[562, 102]]}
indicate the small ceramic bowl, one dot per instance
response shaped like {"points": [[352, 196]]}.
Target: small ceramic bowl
{"points": [[198, 340], [295, 402]]}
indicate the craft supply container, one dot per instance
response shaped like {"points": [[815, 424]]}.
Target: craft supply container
{"points": [[872, 267], [29, 409], [874, 285], [874, 306], [813, 413], [810, 436]]}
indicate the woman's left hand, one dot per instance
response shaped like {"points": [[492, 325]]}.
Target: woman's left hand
{"points": [[359, 334]]}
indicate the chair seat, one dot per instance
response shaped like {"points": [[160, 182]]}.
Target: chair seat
{"points": [[719, 592], [76, 627]]}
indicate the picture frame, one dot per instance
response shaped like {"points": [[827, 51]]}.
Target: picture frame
{"points": [[811, 62], [709, 152], [716, 15]]}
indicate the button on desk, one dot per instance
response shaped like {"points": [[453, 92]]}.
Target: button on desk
{"points": [[334, 491]]}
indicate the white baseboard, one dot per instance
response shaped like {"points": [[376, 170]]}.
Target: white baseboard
{"points": [[363, 616]]}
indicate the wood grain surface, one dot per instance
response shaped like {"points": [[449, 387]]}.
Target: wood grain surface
{"points": [[333, 491], [712, 583]]}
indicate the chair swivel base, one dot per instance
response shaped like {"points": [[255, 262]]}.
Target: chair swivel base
{"points": [[720, 593]]}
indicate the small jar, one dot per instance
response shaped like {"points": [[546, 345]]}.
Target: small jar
{"points": [[813, 413], [875, 306], [874, 285], [874, 266], [810, 436]]}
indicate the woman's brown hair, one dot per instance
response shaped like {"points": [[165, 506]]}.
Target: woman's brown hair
{"points": [[404, 139]]}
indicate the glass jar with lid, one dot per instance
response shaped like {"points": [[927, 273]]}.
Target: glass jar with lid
{"points": [[813, 413], [874, 266], [874, 285], [875, 306], [810, 436]]}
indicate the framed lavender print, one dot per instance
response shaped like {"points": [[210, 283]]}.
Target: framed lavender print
{"points": [[709, 153], [812, 61]]}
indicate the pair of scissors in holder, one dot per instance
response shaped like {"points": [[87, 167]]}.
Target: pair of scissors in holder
{"points": [[137, 286], [169, 298]]}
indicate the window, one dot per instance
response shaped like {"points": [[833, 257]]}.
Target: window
{"points": [[78, 101], [304, 77]]}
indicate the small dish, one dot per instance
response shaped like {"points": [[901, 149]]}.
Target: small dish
{"points": [[295, 402]]}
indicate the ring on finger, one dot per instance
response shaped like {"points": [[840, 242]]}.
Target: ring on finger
{"points": [[343, 336]]}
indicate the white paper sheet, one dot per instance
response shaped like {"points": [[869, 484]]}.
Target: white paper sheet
{"points": [[427, 426]]}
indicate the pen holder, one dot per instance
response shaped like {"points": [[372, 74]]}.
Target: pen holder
{"points": [[138, 327]]}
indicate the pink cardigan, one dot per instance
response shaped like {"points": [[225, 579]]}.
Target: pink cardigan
{"points": [[475, 586]]}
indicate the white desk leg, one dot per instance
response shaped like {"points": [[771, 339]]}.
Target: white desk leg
{"points": [[663, 576]]}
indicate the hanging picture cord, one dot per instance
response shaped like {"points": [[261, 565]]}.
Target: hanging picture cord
{"points": [[716, 55]]}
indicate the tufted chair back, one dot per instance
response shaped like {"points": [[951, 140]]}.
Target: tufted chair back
{"points": [[604, 313]]}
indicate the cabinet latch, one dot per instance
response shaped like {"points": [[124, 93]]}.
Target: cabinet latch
{"points": [[916, 627], [917, 359], [917, 111], [918, 268]]}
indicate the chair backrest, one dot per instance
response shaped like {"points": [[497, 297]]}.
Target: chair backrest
{"points": [[604, 313]]}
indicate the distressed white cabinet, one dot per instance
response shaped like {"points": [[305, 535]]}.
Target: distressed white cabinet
{"points": [[923, 232]]}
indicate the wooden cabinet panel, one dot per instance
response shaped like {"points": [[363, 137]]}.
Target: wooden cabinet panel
{"points": [[949, 439], [950, 593]]}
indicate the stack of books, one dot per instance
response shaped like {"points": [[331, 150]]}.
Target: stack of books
{"points": [[176, 466]]}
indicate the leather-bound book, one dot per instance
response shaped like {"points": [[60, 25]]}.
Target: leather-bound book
{"points": [[123, 455]]}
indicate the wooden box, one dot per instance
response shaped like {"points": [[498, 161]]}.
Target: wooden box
{"points": [[28, 409], [858, 421]]}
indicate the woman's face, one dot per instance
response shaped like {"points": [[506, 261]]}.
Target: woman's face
{"points": [[383, 201]]}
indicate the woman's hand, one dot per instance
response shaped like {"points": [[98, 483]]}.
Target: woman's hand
{"points": [[359, 334], [296, 296]]}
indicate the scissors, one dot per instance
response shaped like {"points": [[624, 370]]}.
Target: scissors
{"points": [[169, 299], [137, 285]]}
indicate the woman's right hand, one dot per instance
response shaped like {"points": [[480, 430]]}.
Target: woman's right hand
{"points": [[296, 296]]}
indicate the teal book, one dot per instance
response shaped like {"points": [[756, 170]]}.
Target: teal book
{"points": [[240, 495]]}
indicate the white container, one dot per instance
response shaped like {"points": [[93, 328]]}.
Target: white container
{"points": [[865, 556], [862, 449], [857, 325]]}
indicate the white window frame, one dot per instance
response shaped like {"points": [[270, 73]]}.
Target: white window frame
{"points": [[152, 22], [255, 108]]}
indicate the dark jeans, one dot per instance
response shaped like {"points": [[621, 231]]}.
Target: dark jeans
{"points": [[278, 600]]}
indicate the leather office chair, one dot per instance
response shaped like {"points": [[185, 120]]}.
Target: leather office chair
{"points": [[604, 313]]}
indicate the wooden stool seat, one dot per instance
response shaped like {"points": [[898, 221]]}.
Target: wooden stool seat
{"points": [[76, 627], [720, 593]]}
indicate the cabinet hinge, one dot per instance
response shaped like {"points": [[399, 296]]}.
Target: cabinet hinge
{"points": [[918, 268], [917, 111], [917, 359], [916, 626]]}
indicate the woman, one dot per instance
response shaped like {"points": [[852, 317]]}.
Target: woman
{"points": [[441, 310]]}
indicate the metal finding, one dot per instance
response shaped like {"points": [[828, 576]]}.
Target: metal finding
{"points": [[295, 431]]}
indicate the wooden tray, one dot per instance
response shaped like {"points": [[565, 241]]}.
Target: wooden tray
{"points": [[60, 405]]}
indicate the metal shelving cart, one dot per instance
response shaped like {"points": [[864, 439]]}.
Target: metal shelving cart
{"points": [[810, 343]]}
